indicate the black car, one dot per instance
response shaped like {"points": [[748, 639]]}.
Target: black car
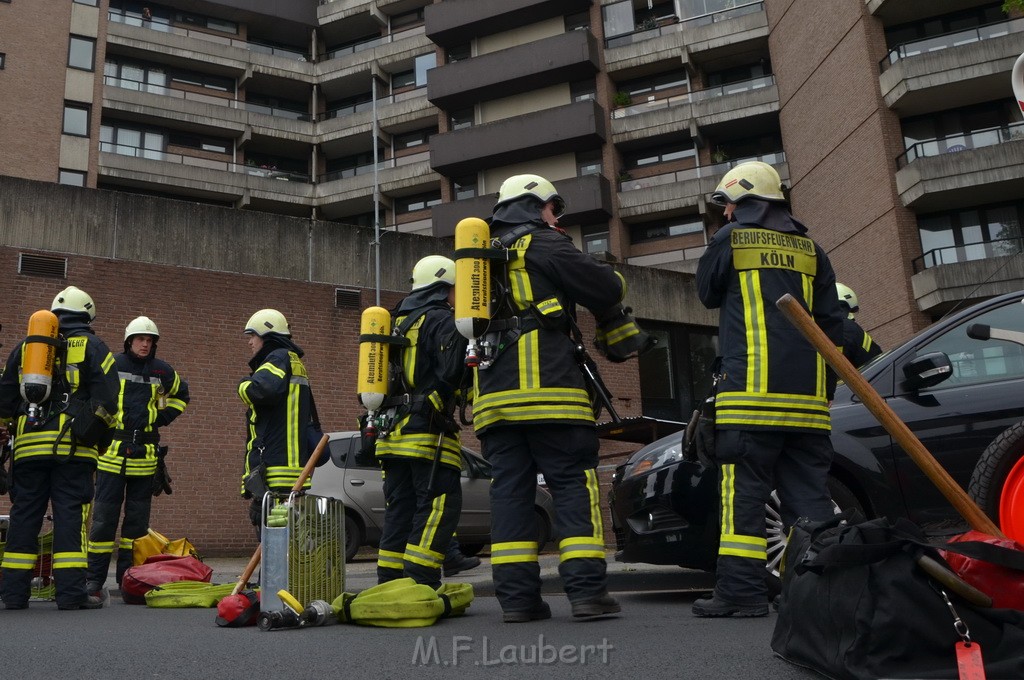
{"points": [[957, 393]]}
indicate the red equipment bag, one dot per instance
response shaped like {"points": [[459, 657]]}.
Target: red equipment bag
{"points": [[158, 570], [995, 566], [235, 611]]}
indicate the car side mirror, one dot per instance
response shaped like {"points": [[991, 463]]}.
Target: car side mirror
{"points": [[927, 370]]}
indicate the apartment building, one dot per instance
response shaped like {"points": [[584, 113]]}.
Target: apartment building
{"points": [[892, 121]]}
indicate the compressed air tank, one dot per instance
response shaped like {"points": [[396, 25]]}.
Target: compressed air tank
{"points": [[373, 357], [472, 278], [37, 357]]}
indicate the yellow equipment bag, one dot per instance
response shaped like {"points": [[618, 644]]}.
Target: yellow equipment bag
{"points": [[155, 543]]}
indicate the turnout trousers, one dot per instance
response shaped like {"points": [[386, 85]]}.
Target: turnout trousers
{"points": [[112, 490], [750, 464], [418, 525], [67, 486], [567, 457]]}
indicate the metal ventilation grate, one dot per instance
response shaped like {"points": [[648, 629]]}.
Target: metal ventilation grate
{"points": [[43, 265], [347, 298]]}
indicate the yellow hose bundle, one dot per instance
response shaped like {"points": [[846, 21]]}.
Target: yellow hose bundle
{"points": [[403, 603]]}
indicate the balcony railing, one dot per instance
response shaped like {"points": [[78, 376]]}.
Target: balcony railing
{"points": [[375, 42], [695, 96], [716, 170], [947, 40], [968, 252], [139, 86], [367, 105], [962, 142], [209, 163], [693, 22], [381, 165], [156, 24]]}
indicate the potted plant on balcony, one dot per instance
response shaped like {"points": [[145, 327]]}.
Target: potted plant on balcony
{"points": [[719, 155], [621, 98]]}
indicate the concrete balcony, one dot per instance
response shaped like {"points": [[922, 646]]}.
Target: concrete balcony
{"points": [[588, 199], [939, 288], [215, 54], [964, 177], [384, 51], [570, 128], [400, 113], [559, 59], [951, 71], [352, 194], [188, 176], [457, 22], [202, 114], [681, 189]]}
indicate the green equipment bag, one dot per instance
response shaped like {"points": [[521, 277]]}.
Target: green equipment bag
{"points": [[181, 594]]}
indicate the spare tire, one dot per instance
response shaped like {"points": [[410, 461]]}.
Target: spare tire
{"points": [[997, 484]]}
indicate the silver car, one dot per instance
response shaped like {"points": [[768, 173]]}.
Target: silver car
{"points": [[359, 485]]}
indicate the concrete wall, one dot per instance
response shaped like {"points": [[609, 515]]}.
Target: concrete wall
{"points": [[199, 272]]}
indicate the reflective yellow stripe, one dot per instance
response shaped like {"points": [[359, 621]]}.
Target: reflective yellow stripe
{"points": [[578, 547], [621, 333], [772, 409], [866, 342], [13, 560], [728, 493], [514, 552], [528, 347], [390, 559], [756, 333], [101, 546], [594, 493], [271, 368], [423, 556], [433, 520], [69, 560], [738, 545], [531, 413], [126, 543]]}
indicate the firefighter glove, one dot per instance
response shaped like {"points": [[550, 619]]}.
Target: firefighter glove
{"points": [[161, 479]]}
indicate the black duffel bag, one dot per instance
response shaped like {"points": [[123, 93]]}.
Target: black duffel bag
{"points": [[857, 605]]}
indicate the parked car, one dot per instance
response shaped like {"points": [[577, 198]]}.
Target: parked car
{"points": [[359, 485], [955, 392]]}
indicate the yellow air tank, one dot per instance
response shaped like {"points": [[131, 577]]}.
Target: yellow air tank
{"points": [[373, 357], [472, 282], [37, 357]]}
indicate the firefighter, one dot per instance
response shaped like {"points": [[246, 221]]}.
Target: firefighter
{"points": [[772, 419], [420, 457], [279, 401], [54, 458], [152, 395], [532, 411], [858, 346]]}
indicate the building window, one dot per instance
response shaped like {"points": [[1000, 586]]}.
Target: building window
{"points": [[211, 144], [408, 204], [660, 154], [400, 22], [464, 187], [971, 234], [582, 90], [411, 140], [677, 226], [91, 3], [588, 163], [463, 118], [595, 240], [459, 53], [577, 22], [76, 120], [72, 178], [82, 53], [3, 60]]}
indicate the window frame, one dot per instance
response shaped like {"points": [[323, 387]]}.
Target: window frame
{"points": [[77, 173], [76, 106], [92, 52]]}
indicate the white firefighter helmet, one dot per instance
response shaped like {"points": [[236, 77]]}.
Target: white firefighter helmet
{"points": [[518, 186], [268, 321], [847, 299], [433, 269], [142, 325], [73, 299], [753, 179]]}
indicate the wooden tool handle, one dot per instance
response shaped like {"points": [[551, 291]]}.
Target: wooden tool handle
{"points": [[254, 561], [887, 417]]}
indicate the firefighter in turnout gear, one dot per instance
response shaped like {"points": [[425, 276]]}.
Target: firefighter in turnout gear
{"points": [[420, 456], [152, 395], [279, 400], [55, 458], [772, 417], [532, 411], [858, 347]]}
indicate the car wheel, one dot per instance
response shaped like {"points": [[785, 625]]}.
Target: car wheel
{"points": [[842, 499], [471, 549], [353, 537], [997, 484], [543, 530]]}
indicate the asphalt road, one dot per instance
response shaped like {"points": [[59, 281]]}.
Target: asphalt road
{"points": [[655, 637]]}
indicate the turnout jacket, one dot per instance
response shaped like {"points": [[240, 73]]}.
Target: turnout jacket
{"points": [[89, 376], [432, 369], [858, 346], [535, 377], [152, 395], [278, 396], [772, 377]]}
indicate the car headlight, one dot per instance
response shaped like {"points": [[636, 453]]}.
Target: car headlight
{"points": [[659, 457]]}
